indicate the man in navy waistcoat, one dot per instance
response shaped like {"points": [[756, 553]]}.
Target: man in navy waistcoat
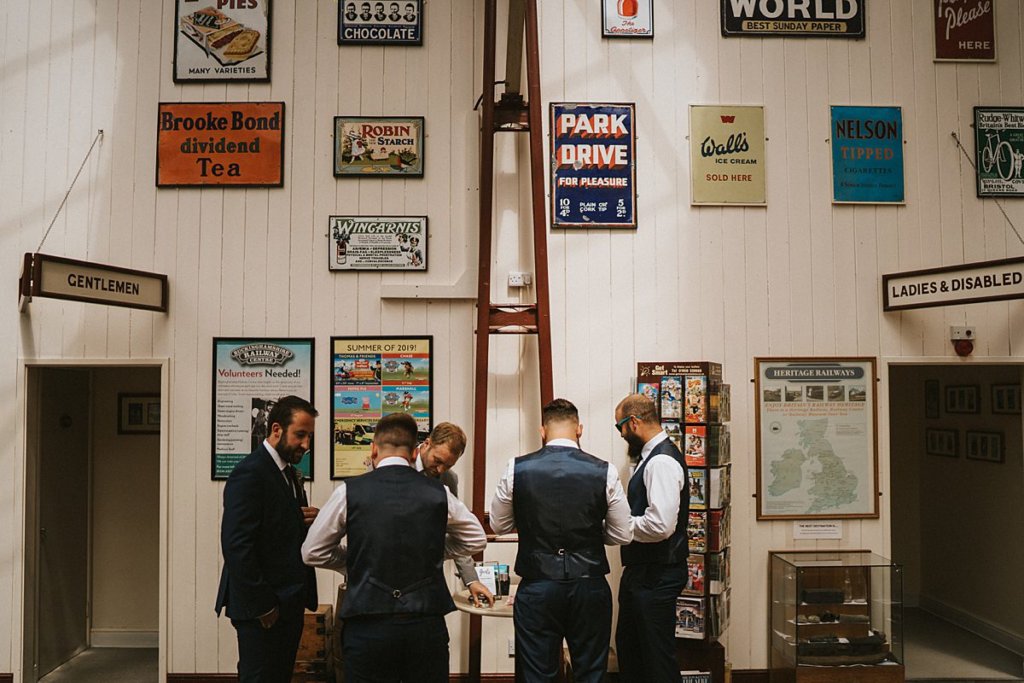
{"points": [[566, 505], [399, 527], [654, 564]]}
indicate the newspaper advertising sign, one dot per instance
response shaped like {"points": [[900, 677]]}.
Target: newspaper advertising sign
{"points": [[867, 155], [969, 283], [794, 18], [627, 18], [249, 376], [593, 166], [727, 155], [816, 425], [372, 377], [378, 243], [236, 144], [965, 30], [222, 40], [378, 145], [999, 146], [380, 23]]}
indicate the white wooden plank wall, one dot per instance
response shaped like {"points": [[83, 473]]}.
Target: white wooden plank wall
{"points": [[798, 277]]}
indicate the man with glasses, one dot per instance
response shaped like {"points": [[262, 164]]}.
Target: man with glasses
{"points": [[654, 564], [566, 505]]}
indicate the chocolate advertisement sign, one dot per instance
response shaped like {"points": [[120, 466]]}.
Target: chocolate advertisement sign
{"points": [[222, 40], [593, 166], [727, 155], [794, 18], [380, 23], [237, 144], [965, 30]]}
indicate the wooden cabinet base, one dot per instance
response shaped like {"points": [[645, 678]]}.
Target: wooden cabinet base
{"points": [[850, 674]]}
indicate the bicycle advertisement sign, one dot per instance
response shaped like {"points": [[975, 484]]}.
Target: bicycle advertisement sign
{"points": [[999, 151]]}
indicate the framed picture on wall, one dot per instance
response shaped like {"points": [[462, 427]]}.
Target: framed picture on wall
{"points": [[984, 446], [229, 42], [802, 417], [963, 399], [931, 398], [372, 146], [1006, 399], [941, 442], [138, 413], [627, 18]]}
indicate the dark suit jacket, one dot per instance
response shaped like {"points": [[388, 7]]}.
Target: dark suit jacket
{"points": [[261, 538]]}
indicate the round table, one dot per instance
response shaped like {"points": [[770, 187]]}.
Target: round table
{"points": [[501, 608]]}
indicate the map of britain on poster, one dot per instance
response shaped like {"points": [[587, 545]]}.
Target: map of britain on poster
{"points": [[816, 446]]}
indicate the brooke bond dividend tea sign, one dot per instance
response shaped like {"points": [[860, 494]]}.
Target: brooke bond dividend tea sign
{"points": [[727, 154], [593, 177], [220, 143], [807, 18]]}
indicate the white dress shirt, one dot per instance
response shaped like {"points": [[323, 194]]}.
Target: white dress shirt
{"points": [[325, 547], [665, 480], [616, 522]]}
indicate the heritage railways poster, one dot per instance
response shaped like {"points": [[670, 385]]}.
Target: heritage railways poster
{"points": [[222, 40], [867, 155], [249, 376], [816, 438], [793, 18], [378, 243], [383, 145], [727, 154], [372, 377], [999, 147], [593, 166], [220, 143]]}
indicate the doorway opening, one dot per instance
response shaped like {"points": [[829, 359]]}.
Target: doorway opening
{"points": [[957, 487], [92, 523]]}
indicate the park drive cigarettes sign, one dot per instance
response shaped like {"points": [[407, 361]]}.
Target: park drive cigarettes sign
{"points": [[970, 283]]}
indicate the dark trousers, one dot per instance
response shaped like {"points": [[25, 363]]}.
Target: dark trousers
{"points": [[645, 638], [546, 611], [396, 648], [267, 655]]}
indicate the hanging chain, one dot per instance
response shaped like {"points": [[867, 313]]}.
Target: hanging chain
{"points": [[998, 203], [67, 194]]}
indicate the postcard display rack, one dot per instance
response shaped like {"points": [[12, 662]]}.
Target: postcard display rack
{"points": [[835, 616], [693, 405]]}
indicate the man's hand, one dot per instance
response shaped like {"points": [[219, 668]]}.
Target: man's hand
{"points": [[270, 618], [309, 514], [479, 595]]}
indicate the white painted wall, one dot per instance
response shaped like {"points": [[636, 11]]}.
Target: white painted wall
{"points": [[799, 277]]}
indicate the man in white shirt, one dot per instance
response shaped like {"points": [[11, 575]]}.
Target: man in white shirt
{"points": [[566, 505], [654, 564], [400, 526]]}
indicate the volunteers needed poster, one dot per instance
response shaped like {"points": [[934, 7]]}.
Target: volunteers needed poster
{"points": [[727, 154], [593, 166]]}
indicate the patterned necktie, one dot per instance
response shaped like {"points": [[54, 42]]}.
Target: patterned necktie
{"points": [[293, 481]]}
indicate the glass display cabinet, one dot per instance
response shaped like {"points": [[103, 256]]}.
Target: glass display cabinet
{"points": [[835, 616]]}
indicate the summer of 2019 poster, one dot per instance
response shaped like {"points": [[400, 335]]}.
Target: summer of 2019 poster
{"points": [[249, 376], [372, 377]]}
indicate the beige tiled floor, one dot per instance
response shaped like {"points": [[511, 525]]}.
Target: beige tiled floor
{"points": [[935, 649], [107, 665]]}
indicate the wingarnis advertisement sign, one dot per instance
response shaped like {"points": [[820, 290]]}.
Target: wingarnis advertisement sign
{"points": [[794, 18]]}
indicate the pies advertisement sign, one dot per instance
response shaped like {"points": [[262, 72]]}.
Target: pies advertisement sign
{"points": [[222, 40]]}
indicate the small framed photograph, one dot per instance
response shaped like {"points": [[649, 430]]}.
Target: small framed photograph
{"points": [[984, 446], [1006, 399], [627, 18], [390, 146], [963, 399], [931, 399], [941, 442], [138, 413], [380, 23]]}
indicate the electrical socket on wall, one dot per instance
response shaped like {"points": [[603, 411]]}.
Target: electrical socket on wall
{"points": [[956, 333], [511, 647], [518, 278]]}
